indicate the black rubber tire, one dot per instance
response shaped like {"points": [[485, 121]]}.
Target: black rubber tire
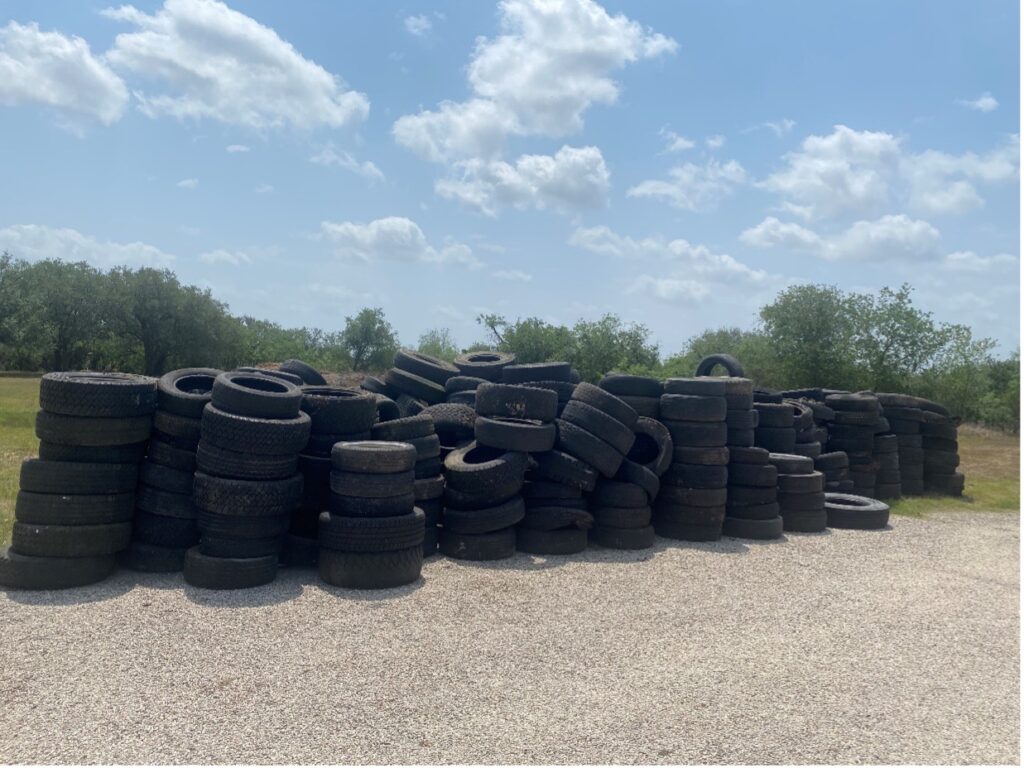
{"points": [[180, 431], [228, 572], [588, 447], [699, 475], [774, 415], [158, 502], [427, 468], [405, 428], [775, 439], [686, 514], [801, 502], [266, 437], [531, 372], [748, 455], [337, 410], [452, 419], [163, 531], [378, 387], [632, 386], [738, 528], [88, 431], [679, 531], [610, 493], [291, 378], [70, 540], [858, 512], [832, 460], [304, 371], [300, 552], [731, 364], [485, 519], [495, 545], [463, 384], [562, 541], [165, 478], [369, 485], [486, 364], [68, 477], [426, 448], [428, 488], [693, 497], [516, 401], [744, 419], [467, 399], [253, 394], [321, 445], [805, 522], [524, 435], [649, 407], [374, 457], [18, 571], [149, 558], [562, 467], [96, 394], [866, 419], [702, 386], [946, 484], [485, 472], [131, 453], [901, 427], [697, 434], [652, 446], [67, 509], [639, 475], [249, 498], [607, 403], [371, 570], [229, 546], [740, 438], [853, 402], [706, 456], [556, 515], [241, 527], [739, 401], [813, 482], [791, 464], [415, 386], [425, 366], [186, 391], [600, 424], [362, 506], [808, 450], [692, 408], [244, 466], [166, 455], [768, 510], [754, 475], [548, 490], [621, 516], [751, 494], [371, 534], [623, 538]]}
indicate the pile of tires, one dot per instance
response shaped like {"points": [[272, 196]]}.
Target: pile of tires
{"points": [[73, 512], [808, 435], [247, 483], [941, 454], [888, 480], [852, 431], [418, 379], [559, 377], [835, 467], [801, 493], [641, 393], [929, 450], [372, 537], [691, 504], [776, 426], [336, 415], [166, 520]]}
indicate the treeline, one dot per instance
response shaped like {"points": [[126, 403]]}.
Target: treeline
{"points": [[62, 316]]}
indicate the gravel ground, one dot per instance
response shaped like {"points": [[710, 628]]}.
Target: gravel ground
{"points": [[896, 646]]}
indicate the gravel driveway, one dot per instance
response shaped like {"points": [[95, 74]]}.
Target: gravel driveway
{"points": [[886, 647]]}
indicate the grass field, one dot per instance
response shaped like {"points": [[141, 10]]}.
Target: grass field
{"points": [[990, 460]]}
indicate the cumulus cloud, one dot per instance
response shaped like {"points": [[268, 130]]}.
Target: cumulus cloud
{"points": [[393, 238], [674, 142], [889, 238], [58, 71], [221, 256], [694, 187], [942, 183], [34, 242], [984, 103], [715, 142], [969, 261], [418, 25], [220, 64], [572, 178], [329, 156]]}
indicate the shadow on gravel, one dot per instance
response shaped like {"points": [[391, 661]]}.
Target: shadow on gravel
{"points": [[274, 593], [373, 595], [117, 585]]}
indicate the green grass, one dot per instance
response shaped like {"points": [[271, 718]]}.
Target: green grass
{"points": [[990, 460]]}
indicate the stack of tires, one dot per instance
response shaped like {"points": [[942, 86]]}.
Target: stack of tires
{"points": [[888, 482], [691, 503], [641, 393], [776, 427], [419, 380], [941, 454], [461, 390], [835, 467], [74, 510], [807, 433], [373, 536], [559, 377], [247, 484], [474, 369], [166, 520], [336, 415], [905, 418], [852, 431], [453, 424], [801, 493]]}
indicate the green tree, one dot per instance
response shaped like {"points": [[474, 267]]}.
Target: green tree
{"points": [[606, 345], [751, 348], [531, 340], [369, 341], [438, 342]]}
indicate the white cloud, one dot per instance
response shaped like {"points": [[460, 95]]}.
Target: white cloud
{"points": [[941, 183], [236, 148], [221, 256], [220, 64], [674, 142], [57, 71], [969, 261], [187, 184], [779, 127], [715, 142], [329, 156], [393, 238], [263, 189], [572, 178], [418, 25], [552, 61], [513, 275], [694, 187], [984, 103], [34, 242], [889, 238]]}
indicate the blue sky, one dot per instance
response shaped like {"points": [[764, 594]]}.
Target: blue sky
{"points": [[675, 163]]}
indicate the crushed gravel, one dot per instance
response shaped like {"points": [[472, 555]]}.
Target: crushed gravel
{"points": [[891, 646]]}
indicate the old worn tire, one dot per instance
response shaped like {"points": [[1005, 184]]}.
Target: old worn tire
{"points": [[426, 366], [96, 394], [532, 372], [639, 475], [623, 538], [253, 394], [371, 534], [250, 498], [18, 571], [336, 410], [186, 391], [397, 430], [415, 386], [731, 365], [564, 468], [562, 541], [589, 448], [89, 431], [158, 476], [150, 558], [73, 509], [163, 531], [160, 502], [304, 371], [267, 437], [374, 457], [166, 455], [692, 408], [858, 512], [700, 475], [70, 540], [371, 484], [631, 386], [510, 434], [130, 453], [606, 402], [66, 477], [486, 364], [371, 570], [516, 401], [484, 519], [717, 456], [244, 466], [495, 545], [698, 386], [697, 434], [738, 528], [228, 572]]}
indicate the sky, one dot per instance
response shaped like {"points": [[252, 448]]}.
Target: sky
{"points": [[677, 164]]}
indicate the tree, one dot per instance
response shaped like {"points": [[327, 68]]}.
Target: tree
{"points": [[438, 342], [608, 345], [751, 348], [531, 340], [369, 340]]}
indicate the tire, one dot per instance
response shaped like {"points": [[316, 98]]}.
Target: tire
{"points": [[949, 485], [703, 386], [147, 558], [18, 571], [791, 464], [886, 444], [516, 401], [371, 534], [181, 430], [652, 446], [467, 399], [649, 407], [739, 401], [321, 444], [937, 460], [426, 448], [631, 386], [563, 541], [737, 528], [749, 494], [374, 457], [249, 498], [162, 531], [87, 431], [496, 545], [486, 519], [70, 540], [775, 439], [228, 572], [670, 529], [805, 522], [291, 378], [166, 455], [378, 387], [561, 467], [623, 538], [425, 366], [186, 391], [165, 478], [621, 516], [731, 364], [609, 493], [428, 468], [372, 485], [158, 502], [697, 434], [588, 447], [409, 406], [221, 462], [638, 475], [415, 386], [452, 421], [131, 453], [371, 570], [748, 455], [66, 477], [93, 394], [362, 506], [335, 410], [70, 509], [699, 475], [253, 394], [555, 517], [529, 372], [304, 371], [768, 510], [228, 546], [810, 483], [600, 424], [801, 502], [868, 419], [831, 461], [858, 512], [300, 552], [754, 475], [397, 430], [266, 437], [524, 435], [772, 415], [693, 497], [484, 471], [463, 384], [853, 402], [707, 456], [607, 403], [240, 527], [428, 488], [746, 419], [740, 438], [487, 364]]}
